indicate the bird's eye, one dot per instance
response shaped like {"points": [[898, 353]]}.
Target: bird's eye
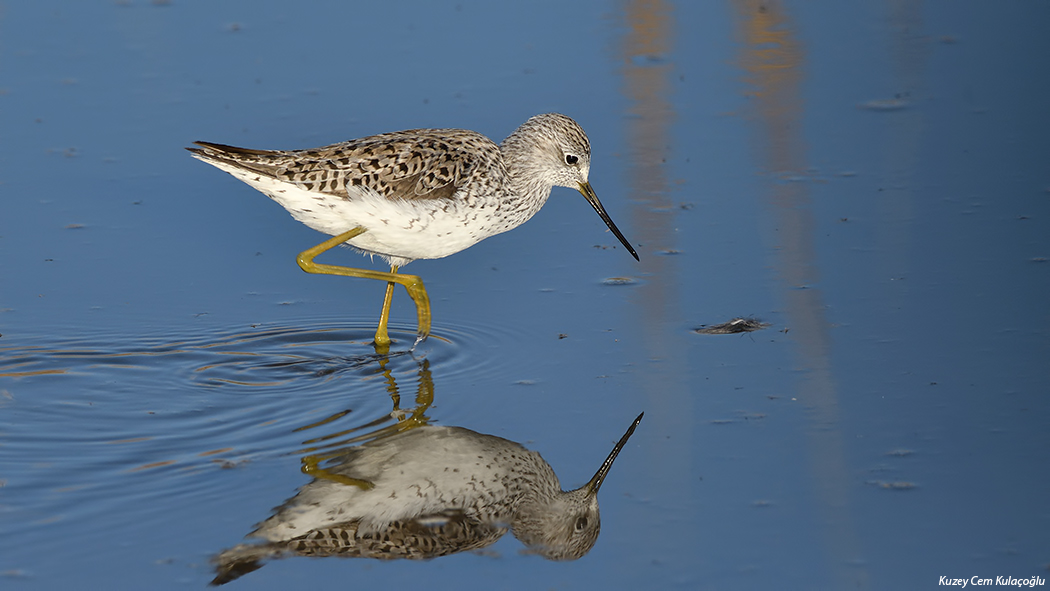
{"points": [[581, 523], [571, 159]]}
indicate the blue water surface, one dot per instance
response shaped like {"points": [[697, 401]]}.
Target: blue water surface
{"points": [[870, 179]]}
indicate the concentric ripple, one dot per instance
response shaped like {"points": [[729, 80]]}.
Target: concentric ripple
{"points": [[93, 419]]}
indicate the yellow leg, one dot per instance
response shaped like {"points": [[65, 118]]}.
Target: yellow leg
{"points": [[382, 338], [412, 283]]}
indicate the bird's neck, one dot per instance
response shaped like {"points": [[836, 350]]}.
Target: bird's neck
{"points": [[536, 483], [528, 180]]}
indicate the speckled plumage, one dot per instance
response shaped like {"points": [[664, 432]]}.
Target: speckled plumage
{"points": [[420, 193], [416, 194], [428, 492]]}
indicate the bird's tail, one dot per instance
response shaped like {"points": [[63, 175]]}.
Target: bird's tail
{"points": [[233, 563]]}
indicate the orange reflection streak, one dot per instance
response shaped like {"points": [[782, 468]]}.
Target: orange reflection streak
{"points": [[151, 466], [25, 374], [773, 59], [130, 440], [215, 451], [647, 50]]}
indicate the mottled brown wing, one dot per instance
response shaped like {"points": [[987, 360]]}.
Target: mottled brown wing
{"points": [[411, 164], [413, 539], [416, 539]]}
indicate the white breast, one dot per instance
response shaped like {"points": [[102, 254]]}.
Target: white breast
{"points": [[396, 228]]}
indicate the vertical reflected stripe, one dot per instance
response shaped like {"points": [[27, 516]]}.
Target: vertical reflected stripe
{"points": [[773, 59]]}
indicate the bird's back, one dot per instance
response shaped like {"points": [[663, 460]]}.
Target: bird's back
{"points": [[410, 164]]}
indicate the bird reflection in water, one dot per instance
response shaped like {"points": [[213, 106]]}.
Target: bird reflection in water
{"points": [[418, 491]]}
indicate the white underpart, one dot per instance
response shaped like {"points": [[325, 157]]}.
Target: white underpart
{"points": [[414, 229], [410, 478]]}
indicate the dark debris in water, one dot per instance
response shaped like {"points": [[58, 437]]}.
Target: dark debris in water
{"points": [[229, 464], [896, 485], [734, 326]]}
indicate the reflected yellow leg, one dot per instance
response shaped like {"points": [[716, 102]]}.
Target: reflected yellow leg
{"points": [[412, 283], [312, 467]]}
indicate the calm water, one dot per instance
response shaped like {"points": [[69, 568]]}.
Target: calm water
{"points": [[871, 180]]}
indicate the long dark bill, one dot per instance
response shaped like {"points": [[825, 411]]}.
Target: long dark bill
{"points": [[592, 198], [596, 482]]}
